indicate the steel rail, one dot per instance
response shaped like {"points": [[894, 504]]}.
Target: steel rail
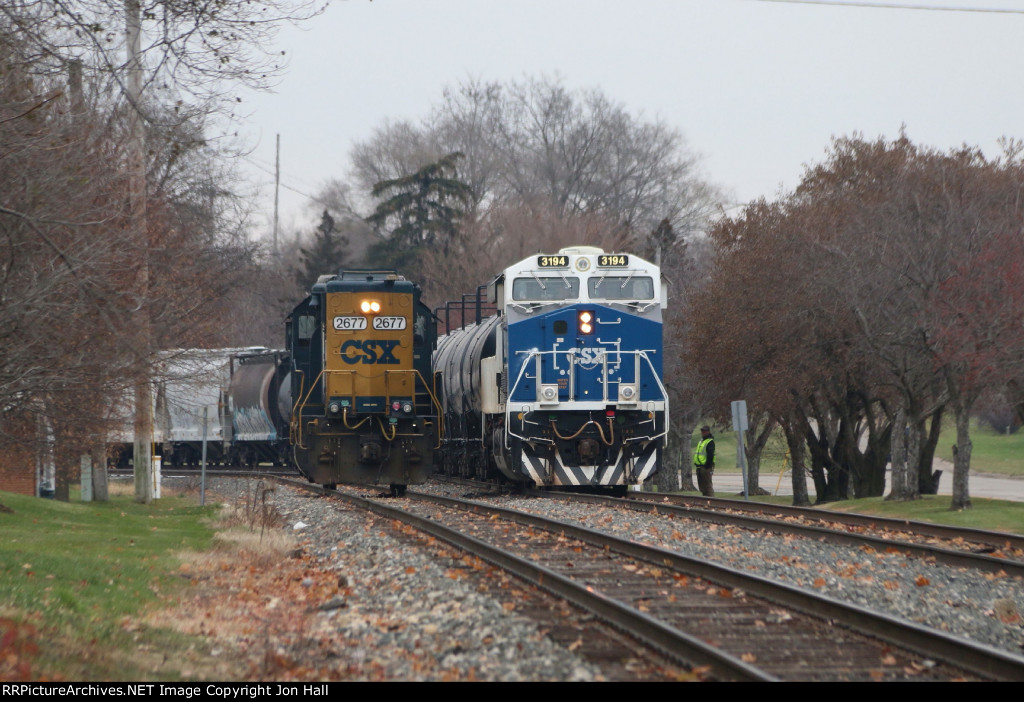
{"points": [[673, 643], [996, 539], [964, 559], [983, 660]]}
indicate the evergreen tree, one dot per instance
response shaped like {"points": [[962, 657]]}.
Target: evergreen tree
{"points": [[420, 210], [326, 254]]}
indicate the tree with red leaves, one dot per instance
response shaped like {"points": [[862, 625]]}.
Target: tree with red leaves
{"points": [[886, 286]]}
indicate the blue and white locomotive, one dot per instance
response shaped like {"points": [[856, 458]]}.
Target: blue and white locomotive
{"points": [[563, 385]]}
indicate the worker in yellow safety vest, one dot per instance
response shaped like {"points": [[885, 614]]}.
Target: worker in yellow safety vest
{"points": [[704, 461]]}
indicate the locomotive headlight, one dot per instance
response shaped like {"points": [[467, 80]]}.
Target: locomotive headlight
{"points": [[407, 407], [627, 393], [368, 306], [549, 393], [585, 321]]}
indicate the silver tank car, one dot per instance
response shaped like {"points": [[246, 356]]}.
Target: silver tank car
{"points": [[259, 403]]}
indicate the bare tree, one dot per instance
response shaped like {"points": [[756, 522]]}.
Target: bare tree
{"points": [[539, 144], [77, 263]]}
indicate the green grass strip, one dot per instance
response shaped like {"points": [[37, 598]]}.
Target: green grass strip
{"points": [[82, 573]]}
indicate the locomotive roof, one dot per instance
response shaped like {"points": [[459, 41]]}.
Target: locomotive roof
{"points": [[356, 280], [579, 260]]}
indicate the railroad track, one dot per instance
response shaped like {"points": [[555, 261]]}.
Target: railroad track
{"points": [[979, 540], [216, 472], [734, 625], [986, 551]]}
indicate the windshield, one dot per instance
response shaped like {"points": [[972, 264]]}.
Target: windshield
{"points": [[612, 287], [541, 289]]}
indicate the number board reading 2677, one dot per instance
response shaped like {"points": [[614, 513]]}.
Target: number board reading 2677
{"points": [[359, 323]]}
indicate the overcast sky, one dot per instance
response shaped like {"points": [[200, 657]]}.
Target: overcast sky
{"points": [[757, 87]]}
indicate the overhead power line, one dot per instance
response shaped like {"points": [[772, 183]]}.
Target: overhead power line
{"points": [[256, 164], [898, 6]]}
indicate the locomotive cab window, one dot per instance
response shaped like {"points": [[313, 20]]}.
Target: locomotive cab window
{"points": [[621, 287], [542, 289], [419, 330], [306, 327]]}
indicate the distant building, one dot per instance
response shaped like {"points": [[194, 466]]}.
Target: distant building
{"points": [[19, 471]]}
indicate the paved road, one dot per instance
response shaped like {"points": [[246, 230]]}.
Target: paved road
{"points": [[981, 484]]}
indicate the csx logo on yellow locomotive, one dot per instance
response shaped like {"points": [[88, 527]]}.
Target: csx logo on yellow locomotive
{"points": [[369, 351]]}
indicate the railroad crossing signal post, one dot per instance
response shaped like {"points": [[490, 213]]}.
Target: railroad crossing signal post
{"points": [[739, 425]]}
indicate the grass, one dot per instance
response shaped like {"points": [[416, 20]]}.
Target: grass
{"points": [[80, 574], [774, 458], [991, 451], [997, 515], [78, 579]]}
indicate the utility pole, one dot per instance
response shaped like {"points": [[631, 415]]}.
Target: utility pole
{"points": [[137, 203], [75, 87], [277, 187]]}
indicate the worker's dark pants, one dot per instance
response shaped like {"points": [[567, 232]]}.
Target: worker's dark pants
{"points": [[704, 480]]}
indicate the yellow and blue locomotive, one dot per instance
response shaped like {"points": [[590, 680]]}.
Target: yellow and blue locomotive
{"points": [[364, 409]]}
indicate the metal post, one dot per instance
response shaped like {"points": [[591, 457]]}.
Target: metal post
{"points": [[202, 470], [740, 425], [86, 463], [479, 301], [741, 459]]}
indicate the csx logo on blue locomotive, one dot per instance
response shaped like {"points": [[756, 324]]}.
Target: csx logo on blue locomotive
{"points": [[369, 351]]}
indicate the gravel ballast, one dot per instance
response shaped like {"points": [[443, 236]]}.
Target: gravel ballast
{"points": [[959, 601], [417, 616], [410, 614]]}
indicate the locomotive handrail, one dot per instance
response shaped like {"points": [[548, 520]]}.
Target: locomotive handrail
{"points": [[294, 421], [508, 400], [300, 405], [530, 355], [435, 377], [664, 393], [603, 359]]}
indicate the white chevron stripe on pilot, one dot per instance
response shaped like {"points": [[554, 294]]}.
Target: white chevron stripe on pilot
{"points": [[646, 463]]}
